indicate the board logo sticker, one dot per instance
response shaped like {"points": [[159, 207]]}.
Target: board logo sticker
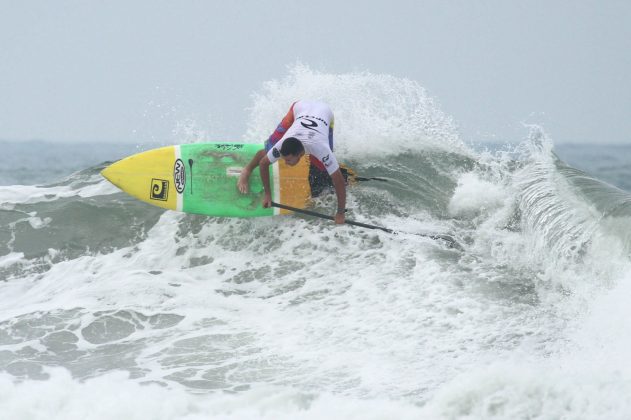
{"points": [[159, 189], [179, 176]]}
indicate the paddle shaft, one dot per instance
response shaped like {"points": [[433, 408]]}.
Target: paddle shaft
{"points": [[452, 243], [326, 216]]}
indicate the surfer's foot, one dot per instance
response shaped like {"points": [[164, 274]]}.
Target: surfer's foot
{"points": [[244, 181]]}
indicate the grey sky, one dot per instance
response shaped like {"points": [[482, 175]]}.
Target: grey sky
{"points": [[130, 70]]}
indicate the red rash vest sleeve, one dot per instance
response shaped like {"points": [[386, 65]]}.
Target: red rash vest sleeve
{"points": [[284, 125]]}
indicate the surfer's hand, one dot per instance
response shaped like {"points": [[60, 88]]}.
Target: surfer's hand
{"points": [[243, 184], [340, 218], [267, 201]]}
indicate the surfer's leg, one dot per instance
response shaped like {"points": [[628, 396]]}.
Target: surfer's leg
{"points": [[319, 178]]}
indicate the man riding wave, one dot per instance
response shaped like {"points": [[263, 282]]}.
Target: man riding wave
{"points": [[307, 128]]}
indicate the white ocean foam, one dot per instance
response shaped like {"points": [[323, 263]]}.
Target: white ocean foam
{"points": [[586, 375], [11, 258], [398, 317], [28, 194], [38, 223], [521, 389], [113, 395], [474, 195], [601, 337]]}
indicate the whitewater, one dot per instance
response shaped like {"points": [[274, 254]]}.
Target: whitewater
{"points": [[112, 308]]}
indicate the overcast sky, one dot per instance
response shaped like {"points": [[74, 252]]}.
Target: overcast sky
{"points": [[129, 70]]}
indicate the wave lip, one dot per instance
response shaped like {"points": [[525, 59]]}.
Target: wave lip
{"points": [[375, 115]]}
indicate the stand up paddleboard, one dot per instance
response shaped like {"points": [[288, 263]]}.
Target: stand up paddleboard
{"points": [[202, 178]]}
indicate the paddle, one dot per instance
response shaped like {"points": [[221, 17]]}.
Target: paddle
{"points": [[370, 178], [451, 242]]}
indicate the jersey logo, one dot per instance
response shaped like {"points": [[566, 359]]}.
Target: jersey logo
{"points": [[275, 152], [311, 126]]}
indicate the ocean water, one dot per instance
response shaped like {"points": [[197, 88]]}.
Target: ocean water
{"points": [[112, 308]]}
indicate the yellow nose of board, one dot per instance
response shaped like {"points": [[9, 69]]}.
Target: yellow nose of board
{"points": [[147, 176]]}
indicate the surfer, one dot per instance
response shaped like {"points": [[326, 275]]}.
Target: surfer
{"points": [[307, 128]]}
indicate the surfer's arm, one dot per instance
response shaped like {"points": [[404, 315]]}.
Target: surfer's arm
{"points": [[264, 165], [340, 191], [243, 184], [255, 160], [282, 128]]}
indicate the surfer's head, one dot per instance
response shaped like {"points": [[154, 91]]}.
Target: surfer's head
{"points": [[292, 151]]}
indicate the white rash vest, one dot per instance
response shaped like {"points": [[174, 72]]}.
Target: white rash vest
{"points": [[312, 121]]}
